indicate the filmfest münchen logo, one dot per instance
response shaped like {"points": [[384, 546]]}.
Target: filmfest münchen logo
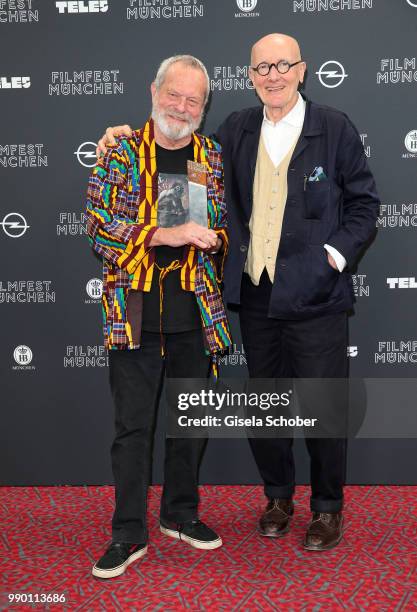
{"points": [[412, 3], [14, 225], [23, 155], [26, 292], [234, 358], [317, 6], [71, 224], [86, 154], [331, 74], [396, 352], [86, 82], [400, 215], [360, 285], [86, 356], [24, 14], [164, 9], [397, 71], [230, 78]]}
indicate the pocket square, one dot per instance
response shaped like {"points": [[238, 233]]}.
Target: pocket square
{"points": [[318, 174]]}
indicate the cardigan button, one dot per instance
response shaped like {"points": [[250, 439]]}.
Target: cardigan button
{"points": [[243, 248]]}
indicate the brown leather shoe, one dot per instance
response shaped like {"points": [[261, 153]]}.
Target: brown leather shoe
{"points": [[325, 531], [275, 521]]}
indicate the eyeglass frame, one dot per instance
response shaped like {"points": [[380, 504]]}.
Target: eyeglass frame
{"points": [[255, 68]]}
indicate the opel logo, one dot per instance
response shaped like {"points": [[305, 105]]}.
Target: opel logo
{"points": [[331, 74], [14, 225], [86, 154]]}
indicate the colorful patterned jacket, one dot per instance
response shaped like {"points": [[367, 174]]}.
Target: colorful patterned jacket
{"points": [[122, 204]]}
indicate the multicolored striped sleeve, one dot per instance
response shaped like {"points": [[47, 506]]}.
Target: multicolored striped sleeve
{"points": [[217, 205], [112, 235]]}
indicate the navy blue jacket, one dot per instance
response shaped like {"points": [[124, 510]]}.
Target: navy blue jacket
{"points": [[340, 211]]}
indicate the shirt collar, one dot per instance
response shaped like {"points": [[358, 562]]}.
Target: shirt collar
{"points": [[294, 118]]}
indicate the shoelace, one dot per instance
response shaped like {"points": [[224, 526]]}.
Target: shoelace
{"points": [[322, 519], [276, 507], [322, 516]]}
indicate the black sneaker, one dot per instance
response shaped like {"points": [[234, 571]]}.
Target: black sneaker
{"points": [[116, 559], [195, 533]]}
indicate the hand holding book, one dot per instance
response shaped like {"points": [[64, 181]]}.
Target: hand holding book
{"points": [[187, 233]]}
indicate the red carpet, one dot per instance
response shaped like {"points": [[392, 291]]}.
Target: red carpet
{"points": [[51, 536]]}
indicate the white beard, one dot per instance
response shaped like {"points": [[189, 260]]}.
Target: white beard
{"points": [[172, 131]]}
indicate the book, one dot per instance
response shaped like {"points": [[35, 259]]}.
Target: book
{"points": [[183, 198]]}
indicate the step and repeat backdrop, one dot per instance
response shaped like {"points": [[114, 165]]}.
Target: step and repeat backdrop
{"points": [[70, 68]]}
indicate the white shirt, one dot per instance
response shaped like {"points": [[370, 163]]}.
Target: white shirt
{"points": [[279, 137]]}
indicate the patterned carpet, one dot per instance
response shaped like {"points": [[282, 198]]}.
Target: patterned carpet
{"points": [[52, 536]]}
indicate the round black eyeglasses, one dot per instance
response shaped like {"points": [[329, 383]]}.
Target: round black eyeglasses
{"points": [[283, 67]]}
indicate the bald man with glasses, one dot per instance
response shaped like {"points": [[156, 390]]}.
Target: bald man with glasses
{"points": [[302, 207]]}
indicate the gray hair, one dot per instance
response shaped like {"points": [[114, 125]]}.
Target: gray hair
{"points": [[187, 60]]}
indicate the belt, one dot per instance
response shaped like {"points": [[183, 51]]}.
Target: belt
{"points": [[163, 272]]}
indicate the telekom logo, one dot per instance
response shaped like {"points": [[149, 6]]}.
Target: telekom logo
{"points": [[82, 6]]}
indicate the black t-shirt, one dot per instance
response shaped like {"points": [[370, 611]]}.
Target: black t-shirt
{"points": [[180, 310]]}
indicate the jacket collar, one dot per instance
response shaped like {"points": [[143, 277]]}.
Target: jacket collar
{"points": [[312, 125]]}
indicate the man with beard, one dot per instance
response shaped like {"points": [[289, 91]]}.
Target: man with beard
{"points": [[163, 311], [302, 207]]}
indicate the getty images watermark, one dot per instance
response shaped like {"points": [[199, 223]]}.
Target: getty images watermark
{"points": [[229, 400], [300, 408], [236, 407]]}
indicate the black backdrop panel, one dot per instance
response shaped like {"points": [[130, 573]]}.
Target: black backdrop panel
{"points": [[69, 69]]}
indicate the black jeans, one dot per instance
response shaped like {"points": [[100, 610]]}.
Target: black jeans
{"points": [[136, 379], [312, 348]]}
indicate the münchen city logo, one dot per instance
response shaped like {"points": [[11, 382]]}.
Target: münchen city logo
{"points": [[22, 355], [410, 141], [94, 288], [14, 225], [246, 5], [331, 74], [86, 154]]}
